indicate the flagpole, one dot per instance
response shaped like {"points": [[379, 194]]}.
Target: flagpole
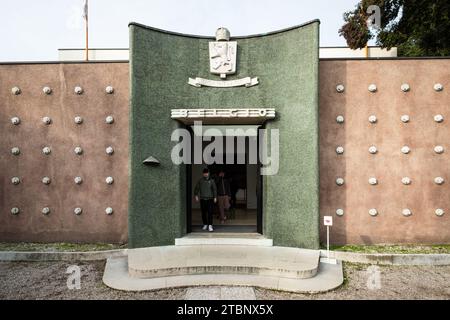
{"points": [[87, 30]]}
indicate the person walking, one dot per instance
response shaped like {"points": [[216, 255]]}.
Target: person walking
{"points": [[206, 192], [223, 195]]}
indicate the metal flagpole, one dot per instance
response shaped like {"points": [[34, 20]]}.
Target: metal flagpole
{"points": [[86, 17]]}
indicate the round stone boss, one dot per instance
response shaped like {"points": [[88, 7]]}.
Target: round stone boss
{"points": [[439, 118], [439, 180], [373, 87], [109, 119], [405, 87], [16, 91], [340, 181], [373, 212], [405, 150], [373, 150], [109, 150], [340, 150], [406, 212], [340, 88], [78, 120], [15, 180], [109, 211], [78, 211], [45, 211], [439, 212], [47, 90], [78, 150], [439, 149], [340, 212], [406, 180], [46, 150], [373, 181], [438, 87], [47, 120], [15, 151], [109, 180], [15, 121], [78, 90], [340, 119], [46, 180], [15, 211], [78, 180], [373, 119], [404, 118], [109, 90]]}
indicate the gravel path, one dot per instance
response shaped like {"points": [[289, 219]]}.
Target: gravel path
{"points": [[47, 280]]}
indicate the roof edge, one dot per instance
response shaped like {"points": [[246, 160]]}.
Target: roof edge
{"points": [[212, 37], [5, 63]]}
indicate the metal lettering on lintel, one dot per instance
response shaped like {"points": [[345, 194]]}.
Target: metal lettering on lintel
{"points": [[251, 115]]}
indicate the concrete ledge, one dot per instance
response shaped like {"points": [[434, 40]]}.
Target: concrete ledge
{"points": [[116, 276], [367, 258], [61, 256], [390, 259]]}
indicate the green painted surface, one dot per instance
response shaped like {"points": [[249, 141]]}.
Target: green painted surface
{"points": [[286, 64]]}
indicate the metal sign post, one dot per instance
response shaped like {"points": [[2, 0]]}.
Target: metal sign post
{"points": [[328, 222]]}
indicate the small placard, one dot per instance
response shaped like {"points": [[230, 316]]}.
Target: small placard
{"points": [[328, 220]]}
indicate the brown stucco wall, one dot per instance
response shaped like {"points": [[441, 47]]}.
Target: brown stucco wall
{"points": [[356, 165], [389, 165], [62, 165]]}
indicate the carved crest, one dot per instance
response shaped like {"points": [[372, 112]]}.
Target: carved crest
{"points": [[222, 56]]}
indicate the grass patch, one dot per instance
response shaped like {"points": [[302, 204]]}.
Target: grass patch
{"points": [[394, 249], [59, 247]]}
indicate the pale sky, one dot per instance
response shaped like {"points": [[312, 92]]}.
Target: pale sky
{"points": [[35, 29]]}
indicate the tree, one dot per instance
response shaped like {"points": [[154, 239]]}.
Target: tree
{"points": [[416, 27]]}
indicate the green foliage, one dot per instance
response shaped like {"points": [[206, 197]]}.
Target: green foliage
{"points": [[394, 249], [59, 247], [416, 27]]}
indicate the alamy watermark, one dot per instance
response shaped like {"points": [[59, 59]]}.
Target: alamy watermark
{"points": [[374, 278], [374, 20], [222, 148], [74, 278]]}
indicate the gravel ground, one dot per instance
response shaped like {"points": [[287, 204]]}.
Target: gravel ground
{"points": [[47, 280]]}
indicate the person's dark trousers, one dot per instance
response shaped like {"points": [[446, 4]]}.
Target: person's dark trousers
{"points": [[207, 211]]}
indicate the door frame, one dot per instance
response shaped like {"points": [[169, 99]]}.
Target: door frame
{"points": [[259, 188]]}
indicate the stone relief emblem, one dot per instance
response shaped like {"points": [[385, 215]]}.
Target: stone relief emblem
{"points": [[222, 54], [222, 62]]}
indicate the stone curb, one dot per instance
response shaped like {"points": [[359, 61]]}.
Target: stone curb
{"points": [[367, 258], [61, 256], [390, 259]]}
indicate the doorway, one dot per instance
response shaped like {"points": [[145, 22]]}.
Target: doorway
{"points": [[241, 170]]}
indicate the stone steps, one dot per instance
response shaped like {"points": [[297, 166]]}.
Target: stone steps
{"points": [[206, 238], [116, 276], [167, 261]]}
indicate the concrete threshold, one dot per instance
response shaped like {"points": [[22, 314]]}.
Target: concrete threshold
{"points": [[215, 238]]}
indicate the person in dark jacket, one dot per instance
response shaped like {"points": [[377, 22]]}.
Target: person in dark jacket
{"points": [[223, 194], [206, 192]]}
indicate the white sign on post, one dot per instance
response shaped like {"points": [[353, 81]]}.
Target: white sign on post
{"points": [[328, 222]]}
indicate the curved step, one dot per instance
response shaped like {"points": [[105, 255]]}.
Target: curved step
{"points": [[154, 262], [116, 276]]}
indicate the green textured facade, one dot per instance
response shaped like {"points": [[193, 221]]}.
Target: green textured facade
{"points": [[287, 66]]}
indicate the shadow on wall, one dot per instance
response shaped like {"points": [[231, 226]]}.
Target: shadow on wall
{"points": [[333, 152]]}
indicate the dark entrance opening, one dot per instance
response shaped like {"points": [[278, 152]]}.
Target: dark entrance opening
{"points": [[243, 175]]}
